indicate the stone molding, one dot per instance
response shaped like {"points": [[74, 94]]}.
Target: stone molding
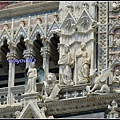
{"points": [[28, 9]]}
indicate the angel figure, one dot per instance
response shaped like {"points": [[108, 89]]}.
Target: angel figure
{"points": [[99, 83], [31, 76]]}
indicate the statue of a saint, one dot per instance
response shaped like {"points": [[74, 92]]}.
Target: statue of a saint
{"points": [[32, 77], [83, 64], [66, 63], [116, 41]]}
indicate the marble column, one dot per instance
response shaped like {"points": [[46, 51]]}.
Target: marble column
{"points": [[45, 52], [11, 56], [29, 52]]}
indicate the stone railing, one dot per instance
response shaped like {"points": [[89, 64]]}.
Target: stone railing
{"points": [[17, 92], [3, 95]]}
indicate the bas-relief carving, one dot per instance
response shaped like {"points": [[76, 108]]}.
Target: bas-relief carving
{"points": [[66, 62], [116, 6], [83, 64]]}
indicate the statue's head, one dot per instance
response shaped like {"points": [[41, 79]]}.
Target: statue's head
{"points": [[32, 64], [51, 78], [83, 45]]}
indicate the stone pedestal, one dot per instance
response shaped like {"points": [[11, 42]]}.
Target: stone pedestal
{"points": [[33, 96]]}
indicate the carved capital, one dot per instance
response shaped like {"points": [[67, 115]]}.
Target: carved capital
{"points": [[45, 52], [11, 56], [11, 45], [28, 53], [28, 43]]}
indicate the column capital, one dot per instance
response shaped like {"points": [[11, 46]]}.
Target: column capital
{"points": [[11, 45], [45, 52], [28, 53], [11, 55]]}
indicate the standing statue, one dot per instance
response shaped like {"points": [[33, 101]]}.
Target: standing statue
{"points": [[83, 64], [31, 76], [116, 41], [66, 63]]}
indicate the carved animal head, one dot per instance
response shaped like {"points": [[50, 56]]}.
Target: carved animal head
{"points": [[51, 78]]}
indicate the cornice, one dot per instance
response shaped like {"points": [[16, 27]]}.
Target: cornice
{"points": [[28, 9], [79, 104]]}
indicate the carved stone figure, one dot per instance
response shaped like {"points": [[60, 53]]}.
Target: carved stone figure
{"points": [[116, 41], [99, 83], [17, 114], [83, 64], [52, 88], [66, 63], [32, 77], [116, 6], [116, 78]]}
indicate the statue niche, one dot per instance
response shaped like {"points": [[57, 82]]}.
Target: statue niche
{"points": [[83, 64], [66, 63]]}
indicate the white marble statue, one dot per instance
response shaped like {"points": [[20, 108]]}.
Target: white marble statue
{"points": [[116, 78], [99, 83], [32, 77], [116, 41], [83, 64], [51, 86], [66, 63]]}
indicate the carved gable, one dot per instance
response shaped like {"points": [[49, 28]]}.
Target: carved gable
{"points": [[115, 26], [53, 27], [20, 32], [31, 108], [37, 29], [84, 22], [3, 35], [67, 25]]}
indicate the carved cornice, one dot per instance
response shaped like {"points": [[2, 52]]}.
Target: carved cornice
{"points": [[29, 9], [13, 108], [77, 105]]}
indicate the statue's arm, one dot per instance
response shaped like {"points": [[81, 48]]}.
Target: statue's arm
{"points": [[78, 53]]}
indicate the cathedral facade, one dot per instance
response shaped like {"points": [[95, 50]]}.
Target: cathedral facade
{"points": [[60, 59]]}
